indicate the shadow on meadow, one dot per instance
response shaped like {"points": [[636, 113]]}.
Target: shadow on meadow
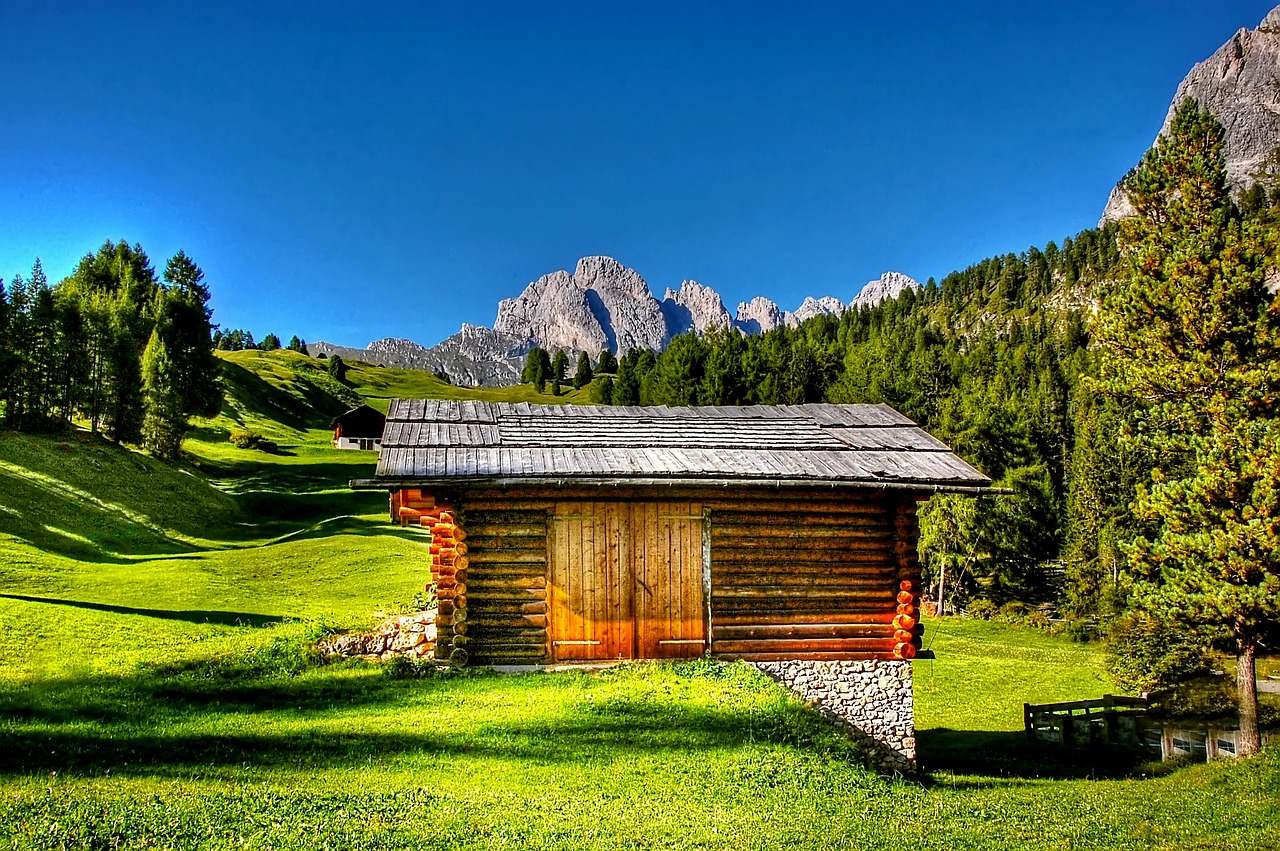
{"points": [[270, 711], [307, 406], [188, 719], [981, 754], [188, 615]]}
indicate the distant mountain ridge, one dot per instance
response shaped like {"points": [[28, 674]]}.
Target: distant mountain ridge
{"points": [[600, 305], [1240, 85]]}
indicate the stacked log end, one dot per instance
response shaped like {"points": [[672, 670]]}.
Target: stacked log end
{"points": [[448, 567], [906, 621]]}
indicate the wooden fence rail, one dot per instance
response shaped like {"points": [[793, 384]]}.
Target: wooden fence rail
{"points": [[1110, 719]]}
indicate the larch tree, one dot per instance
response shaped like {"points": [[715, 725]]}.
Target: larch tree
{"points": [[1190, 336]]}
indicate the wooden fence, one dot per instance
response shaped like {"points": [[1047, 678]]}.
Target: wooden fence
{"points": [[1112, 719]]}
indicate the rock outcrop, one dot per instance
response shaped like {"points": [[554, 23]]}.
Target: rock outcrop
{"points": [[694, 307], [475, 356], [812, 307], [411, 636], [888, 285], [760, 316], [1240, 85], [601, 305]]}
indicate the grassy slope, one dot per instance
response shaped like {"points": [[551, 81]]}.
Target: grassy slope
{"points": [[144, 703]]}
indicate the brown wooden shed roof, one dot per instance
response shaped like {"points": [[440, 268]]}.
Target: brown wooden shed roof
{"points": [[433, 442]]}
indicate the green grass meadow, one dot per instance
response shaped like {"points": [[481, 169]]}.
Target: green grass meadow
{"points": [[158, 689]]}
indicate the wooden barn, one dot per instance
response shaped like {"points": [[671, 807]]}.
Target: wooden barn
{"points": [[569, 533], [359, 428]]}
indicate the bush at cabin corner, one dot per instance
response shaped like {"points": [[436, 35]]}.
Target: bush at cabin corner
{"points": [[247, 438]]}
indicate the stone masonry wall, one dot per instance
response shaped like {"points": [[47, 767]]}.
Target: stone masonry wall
{"points": [[868, 698]]}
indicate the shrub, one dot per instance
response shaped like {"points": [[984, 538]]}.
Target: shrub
{"points": [[1079, 629], [1014, 612], [982, 609], [248, 438], [1145, 654]]}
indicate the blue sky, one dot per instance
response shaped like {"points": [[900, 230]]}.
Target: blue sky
{"points": [[349, 174]]}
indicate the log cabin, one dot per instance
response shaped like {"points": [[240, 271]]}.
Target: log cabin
{"points": [[580, 534]]}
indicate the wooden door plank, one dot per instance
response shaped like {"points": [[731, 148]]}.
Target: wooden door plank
{"points": [[625, 554]]}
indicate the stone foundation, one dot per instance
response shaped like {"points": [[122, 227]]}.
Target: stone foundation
{"points": [[870, 699], [413, 636]]}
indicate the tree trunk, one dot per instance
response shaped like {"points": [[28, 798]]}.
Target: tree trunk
{"points": [[942, 587], [1247, 686]]}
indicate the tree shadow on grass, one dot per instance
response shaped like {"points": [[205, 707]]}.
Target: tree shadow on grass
{"points": [[1010, 755], [188, 615], [186, 720]]}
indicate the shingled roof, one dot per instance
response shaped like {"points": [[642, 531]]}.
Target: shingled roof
{"points": [[433, 442]]}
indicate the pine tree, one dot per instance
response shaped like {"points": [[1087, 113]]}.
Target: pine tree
{"points": [[1191, 338], [164, 421], [115, 290], [190, 337], [270, 343], [535, 372], [607, 362], [582, 376], [337, 369], [559, 366], [602, 390]]}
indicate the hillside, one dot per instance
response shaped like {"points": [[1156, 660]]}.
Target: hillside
{"points": [[291, 398]]}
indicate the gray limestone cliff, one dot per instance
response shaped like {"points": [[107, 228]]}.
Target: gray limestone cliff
{"points": [[694, 307], [601, 305], [475, 356], [888, 285], [760, 316], [1240, 85], [812, 307]]}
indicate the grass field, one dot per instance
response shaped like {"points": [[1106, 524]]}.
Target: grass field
{"points": [[157, 689]]}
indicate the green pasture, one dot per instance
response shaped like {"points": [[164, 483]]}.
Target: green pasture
{"points": [[159, 689]]}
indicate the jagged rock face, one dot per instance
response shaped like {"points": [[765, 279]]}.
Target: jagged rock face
{"points": [[888, 285], [694, 307], [817, 306], [601, 305], [475, 356], [1240, 85], [481, 357], [760, 315], [553, 311]]}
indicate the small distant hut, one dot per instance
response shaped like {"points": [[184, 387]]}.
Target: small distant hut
{"points": [[358, 428], [785, 536]]}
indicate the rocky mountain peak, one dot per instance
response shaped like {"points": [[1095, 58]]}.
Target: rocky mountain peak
{"points": [[694, 307], [760, 315], [888, 285], [1240, 85], [601, 305], [812, 307]]}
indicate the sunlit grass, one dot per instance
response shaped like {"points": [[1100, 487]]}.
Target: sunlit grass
{"points": [[159, 688]]}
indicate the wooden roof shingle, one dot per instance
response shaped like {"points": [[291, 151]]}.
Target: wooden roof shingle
{"points": [[437, 441]]}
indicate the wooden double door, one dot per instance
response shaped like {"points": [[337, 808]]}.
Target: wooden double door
{"points": [[626, 580]]}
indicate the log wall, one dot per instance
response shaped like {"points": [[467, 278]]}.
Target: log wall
{"points": [[794, 575], [507, 585], [813, 579]]}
